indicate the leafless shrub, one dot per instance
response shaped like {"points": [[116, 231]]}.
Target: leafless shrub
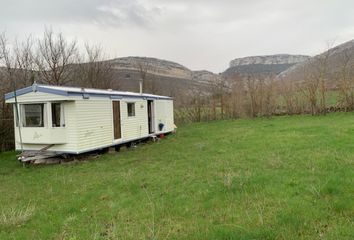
{"points": [[93, 70], [345, 77], [145, 70], [18, 70]]}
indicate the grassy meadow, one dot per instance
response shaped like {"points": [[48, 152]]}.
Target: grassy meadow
{"points": [[280, 178]]}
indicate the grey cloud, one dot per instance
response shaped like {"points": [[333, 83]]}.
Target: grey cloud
{"points": [[118, 12], [128, 12], [197, 33]]}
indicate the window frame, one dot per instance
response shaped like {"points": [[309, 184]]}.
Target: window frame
{"points": [[133, 112], [17, 120], [23, 117], [61, 115]]}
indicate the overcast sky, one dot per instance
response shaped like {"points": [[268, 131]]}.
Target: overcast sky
{"points": [[200, 34]]}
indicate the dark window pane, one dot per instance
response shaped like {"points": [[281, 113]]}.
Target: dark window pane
{"points": [[56, 107], [131, 109], [33, 115]]}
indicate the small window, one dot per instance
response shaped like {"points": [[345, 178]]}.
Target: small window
{"points": [[131, 109], [32, 115], [56, 114]]}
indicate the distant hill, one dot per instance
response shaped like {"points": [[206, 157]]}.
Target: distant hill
{"points": [[269, 64], [153, 65], [335, 56], [167, 76]]}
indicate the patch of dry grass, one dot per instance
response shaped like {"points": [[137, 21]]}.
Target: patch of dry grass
{"points": [[16, 216]]}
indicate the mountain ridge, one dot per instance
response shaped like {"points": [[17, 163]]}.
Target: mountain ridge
{"points": [[262, 64], [334, 58], [269, 59], [170, 76]]}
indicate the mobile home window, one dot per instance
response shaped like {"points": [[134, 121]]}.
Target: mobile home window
{"points": [[57, 115], [32, 115], [131, 109]]}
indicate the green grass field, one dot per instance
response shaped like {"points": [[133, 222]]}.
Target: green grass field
{"points": [[280, 178]]}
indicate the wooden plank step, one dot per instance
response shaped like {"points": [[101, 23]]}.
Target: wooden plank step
{"points": [[34, 152], [47, 161], [37, 157]]}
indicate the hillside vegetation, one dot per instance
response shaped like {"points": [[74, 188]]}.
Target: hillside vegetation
{"points": [[280, 178]]}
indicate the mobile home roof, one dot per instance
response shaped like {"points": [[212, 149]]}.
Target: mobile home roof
{"points": [[84, 92]]}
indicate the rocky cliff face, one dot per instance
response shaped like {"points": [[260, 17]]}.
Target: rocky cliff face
{"points": [[268, 60], [165, 75], [263, 65], [152, 66], [204, 76], [173, 76]]}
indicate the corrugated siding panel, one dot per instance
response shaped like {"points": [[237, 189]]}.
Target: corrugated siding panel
{"points": [[137, 126], [94, 128], [169, 115], [164, 114]]}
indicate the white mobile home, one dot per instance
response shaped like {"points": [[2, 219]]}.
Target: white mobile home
{"points": [[77, 120]]}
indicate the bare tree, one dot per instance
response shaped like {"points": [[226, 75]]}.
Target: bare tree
{"points": [[345, 80], [219, 90], [94, 71], [309, 88], [287, 93], [189, 106], [237, 96], [18, 62], [319, 75], [269, 97], [8, 58], [145, 69], [24, 58], [54, 57], [196, 105], [8, 82], [251, 89]]}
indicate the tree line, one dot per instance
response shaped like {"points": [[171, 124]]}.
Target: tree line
{"points": [[316, 89]]}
